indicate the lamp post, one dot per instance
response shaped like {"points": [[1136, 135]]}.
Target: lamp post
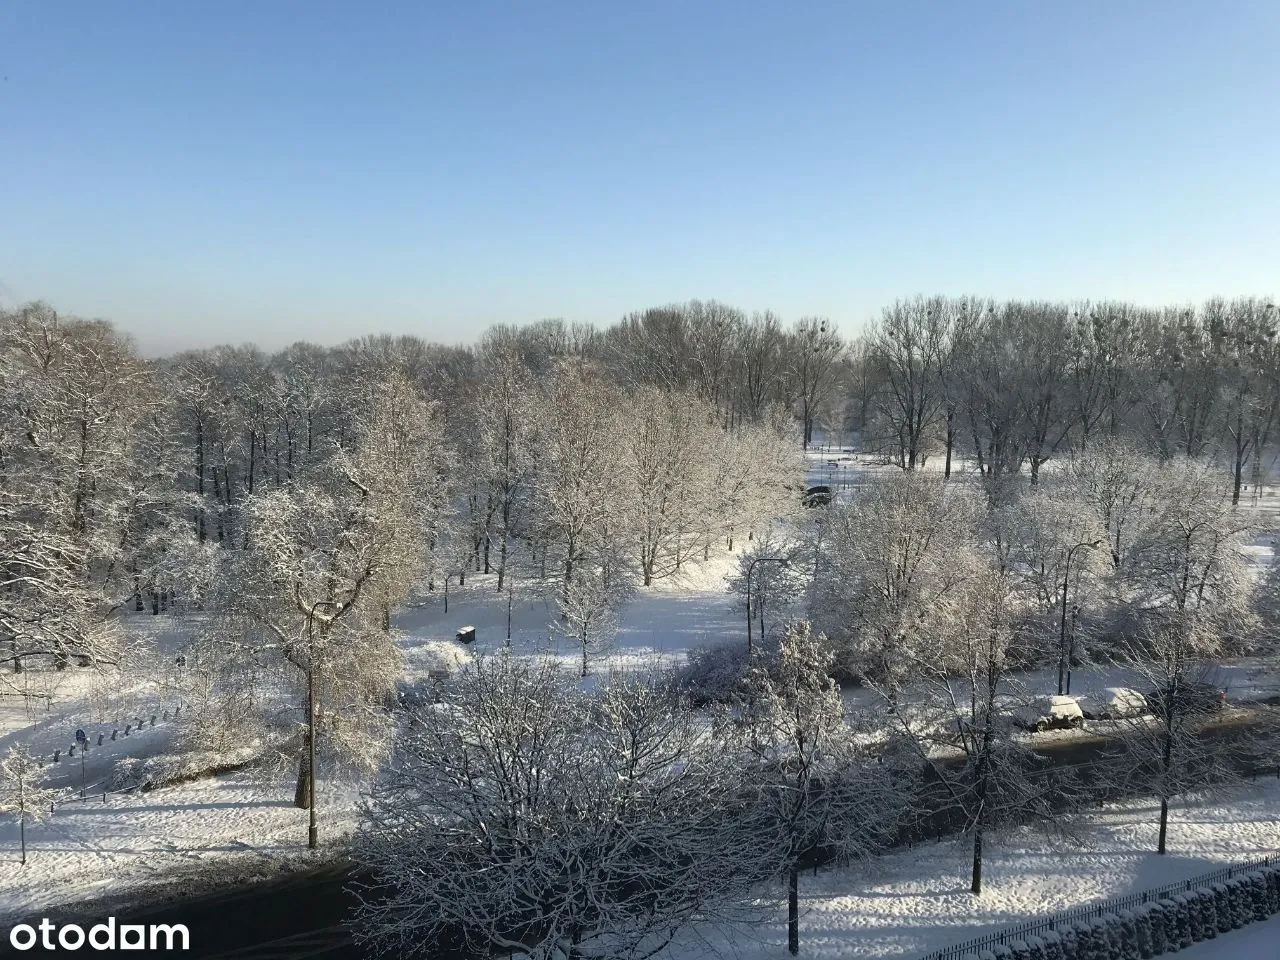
{"points": [[312, 831], [751, 566], [1064, 656]]}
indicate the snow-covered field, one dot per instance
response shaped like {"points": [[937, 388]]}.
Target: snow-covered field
{"points": [[909, 903]]}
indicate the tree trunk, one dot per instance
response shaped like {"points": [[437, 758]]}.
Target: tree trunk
{"points": [[793, 911], [976, 885], [302, 792], [1164, 824]]}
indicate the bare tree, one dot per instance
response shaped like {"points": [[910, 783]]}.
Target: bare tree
{"points": [[907, 348], [605, 823]]}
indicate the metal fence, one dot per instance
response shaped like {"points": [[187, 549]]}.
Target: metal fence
{"points": [[1032, 928]]}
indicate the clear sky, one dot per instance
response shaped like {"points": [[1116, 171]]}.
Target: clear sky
{"points": [[268, 171]]}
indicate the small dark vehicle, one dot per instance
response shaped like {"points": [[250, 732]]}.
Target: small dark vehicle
{"points": [[817, 496], [1190, 697]]}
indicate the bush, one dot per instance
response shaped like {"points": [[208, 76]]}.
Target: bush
{"points": [[1142, 929], [1036, 946], [712, 674], [1204, 914], [1161, 927], [1273, 887], [1002, 951], [1102, 940], [1021, 949], [1070, 941], [1124, 944], [1259, 895], [1180, 921], [1241, 902], [1053, 948]]}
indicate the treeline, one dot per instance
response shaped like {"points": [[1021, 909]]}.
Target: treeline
{"points": [[128, 482]]}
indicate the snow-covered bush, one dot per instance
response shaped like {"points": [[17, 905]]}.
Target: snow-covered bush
{"points": [[1124, 945], [1272, 875], [1037, 948], [713, 674], [1142, 930], [1053, 946], [1091, 943], [1021, 949], [1070, 941], [1002, 951], [1224, 897], [1204, 913], [1185, 919], [1259, 895], [1241, 901], [166, 769], [1164, 926]]}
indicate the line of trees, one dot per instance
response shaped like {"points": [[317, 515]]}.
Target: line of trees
{"points": [[1013, 385], [298, 499]]}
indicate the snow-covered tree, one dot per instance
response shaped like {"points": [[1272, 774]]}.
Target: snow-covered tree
{"points": [[329, 556], [816, 782], [21, 793], [524, 815], [664, 443], [894, 564], [590, 604]]}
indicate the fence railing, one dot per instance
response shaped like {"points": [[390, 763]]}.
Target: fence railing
{"points": [[1034, 927]]}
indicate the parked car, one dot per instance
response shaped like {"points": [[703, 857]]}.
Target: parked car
{"points": [[818, 496], [1190, 697], [1114, 703], [1049, 713]]}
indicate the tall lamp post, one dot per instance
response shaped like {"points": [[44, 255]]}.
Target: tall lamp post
{"points": [[751, 566], [312, 832], [1064, 655]]}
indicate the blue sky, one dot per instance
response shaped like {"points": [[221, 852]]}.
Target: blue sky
{"points": [[202, 172]]}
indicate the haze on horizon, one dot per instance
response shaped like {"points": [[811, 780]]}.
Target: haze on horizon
{"points": [[206, 173]]}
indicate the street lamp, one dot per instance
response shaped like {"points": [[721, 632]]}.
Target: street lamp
{"points": [[1065, 655], [751, 566], [312, 831]]}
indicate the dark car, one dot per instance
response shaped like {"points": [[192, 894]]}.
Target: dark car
{"points": [[1189, 697], [817, 496]]}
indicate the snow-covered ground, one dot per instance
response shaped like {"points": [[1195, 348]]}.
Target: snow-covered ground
{"points": [[658, 628], [915, 901], [235, 825]]}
